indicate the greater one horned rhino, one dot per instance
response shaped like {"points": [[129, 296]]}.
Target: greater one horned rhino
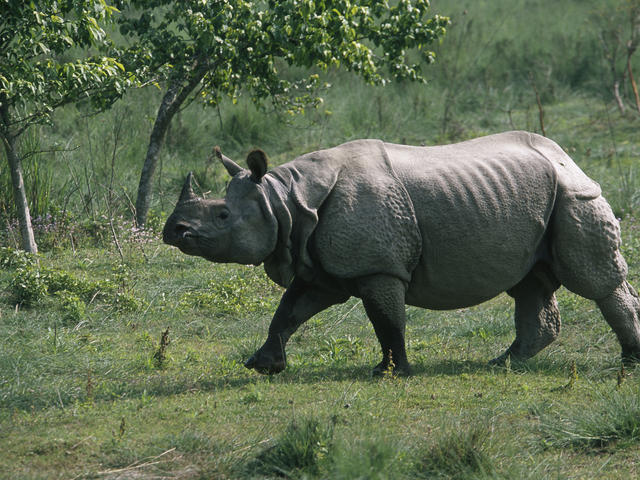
{"points": [[440, 227]]}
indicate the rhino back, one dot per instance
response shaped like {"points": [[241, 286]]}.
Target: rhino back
{"points": [[482, 208]]}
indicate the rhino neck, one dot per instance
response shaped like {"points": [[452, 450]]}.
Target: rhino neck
{"points": [[295, 195]]}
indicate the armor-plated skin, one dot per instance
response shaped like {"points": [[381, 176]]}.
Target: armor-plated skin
{"points": [[436, 227]]}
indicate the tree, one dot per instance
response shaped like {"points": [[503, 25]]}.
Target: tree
{"points": [[619, 34], [39, 73], [209, 49]]}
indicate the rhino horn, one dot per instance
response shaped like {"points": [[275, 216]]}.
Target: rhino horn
{"points": [[232, 167], [187, 191]]}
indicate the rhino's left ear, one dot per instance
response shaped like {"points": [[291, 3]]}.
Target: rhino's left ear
{"points": [[257, 161], [232, 167]]}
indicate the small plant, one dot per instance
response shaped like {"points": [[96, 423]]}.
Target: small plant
{"points": [[89, 387], [388, 372], [573, 375], [160, 357], [28, 286], [621, 376], [124, 302], [121, 429], [12, 258], [73, 307]]}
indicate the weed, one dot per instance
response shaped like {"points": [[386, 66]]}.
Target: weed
{"points": [[28, 286], [160, 356], [11, 258], [89, 388], [72, 307]]}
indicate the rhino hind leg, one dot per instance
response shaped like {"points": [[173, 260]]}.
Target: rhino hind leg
{"points": [[383, 298], [537, 318]]}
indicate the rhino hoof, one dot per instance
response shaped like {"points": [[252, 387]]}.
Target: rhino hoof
{"points": [[381, 370], [263, 365], [630, 359]]}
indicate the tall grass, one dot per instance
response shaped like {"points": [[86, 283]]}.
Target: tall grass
{"points": [[612, 417]]}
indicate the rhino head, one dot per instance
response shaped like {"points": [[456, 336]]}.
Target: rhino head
{"points": [[238, 228]]}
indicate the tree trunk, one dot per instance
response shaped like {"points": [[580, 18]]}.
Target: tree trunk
{"points": [[174, 97], [20, 196], [616, 95], [632, 80], [19, 193]]}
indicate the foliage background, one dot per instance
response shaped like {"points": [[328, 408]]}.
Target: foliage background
{"points": [[86, 390]]}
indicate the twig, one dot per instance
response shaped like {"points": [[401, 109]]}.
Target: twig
{"points": [[135, 466], [539, 102], [115, 238], [248, 447]]}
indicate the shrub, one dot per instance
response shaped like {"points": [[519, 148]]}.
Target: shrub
{"points": [[28, 286]]}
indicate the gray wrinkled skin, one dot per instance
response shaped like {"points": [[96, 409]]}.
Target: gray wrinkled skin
{"points": [[436, 227]]}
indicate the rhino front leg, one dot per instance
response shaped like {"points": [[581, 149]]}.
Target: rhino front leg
{"points": [[300, 302], [621, 309], [383, 298]]}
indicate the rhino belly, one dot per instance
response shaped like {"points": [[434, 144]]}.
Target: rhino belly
{"points": [[482, 219]]}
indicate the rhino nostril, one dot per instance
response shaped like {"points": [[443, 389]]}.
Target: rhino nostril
{"points": [[182, 231]]}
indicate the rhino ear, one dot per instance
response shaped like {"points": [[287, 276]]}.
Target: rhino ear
{"points": [[232, 167], [257, 161], [187, 191]]}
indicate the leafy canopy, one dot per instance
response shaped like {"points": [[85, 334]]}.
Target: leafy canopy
{"points": [[244, 45], [48, 57]]}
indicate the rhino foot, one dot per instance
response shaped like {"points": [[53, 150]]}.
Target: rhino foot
{"points": [[266, 363], [383, 369], [630, 359], [500, 360]]}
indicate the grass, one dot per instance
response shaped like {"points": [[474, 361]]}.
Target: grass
{"points": [[92, 387], [85, 396]]}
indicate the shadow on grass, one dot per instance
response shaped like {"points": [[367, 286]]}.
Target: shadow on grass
{"points": [[167, 384]]}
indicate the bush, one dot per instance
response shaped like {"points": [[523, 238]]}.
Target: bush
{"points": [[28, 286]]}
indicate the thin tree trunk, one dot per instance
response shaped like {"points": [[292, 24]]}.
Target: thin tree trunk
{"points": [[17, 180], [20, 196], [174, 97], [616, 95], [633, 82]]}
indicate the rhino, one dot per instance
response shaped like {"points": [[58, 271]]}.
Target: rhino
{"points": [[438, 227]]}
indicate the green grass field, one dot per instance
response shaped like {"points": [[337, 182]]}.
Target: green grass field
{"points": [[90, 390], [86, 392]]}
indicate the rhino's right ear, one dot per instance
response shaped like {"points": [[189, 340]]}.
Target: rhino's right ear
{"points": [[232, 167], [187, 191], [257, 161]]}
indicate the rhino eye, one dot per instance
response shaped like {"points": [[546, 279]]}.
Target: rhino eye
{"points": [[223, 215]]}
